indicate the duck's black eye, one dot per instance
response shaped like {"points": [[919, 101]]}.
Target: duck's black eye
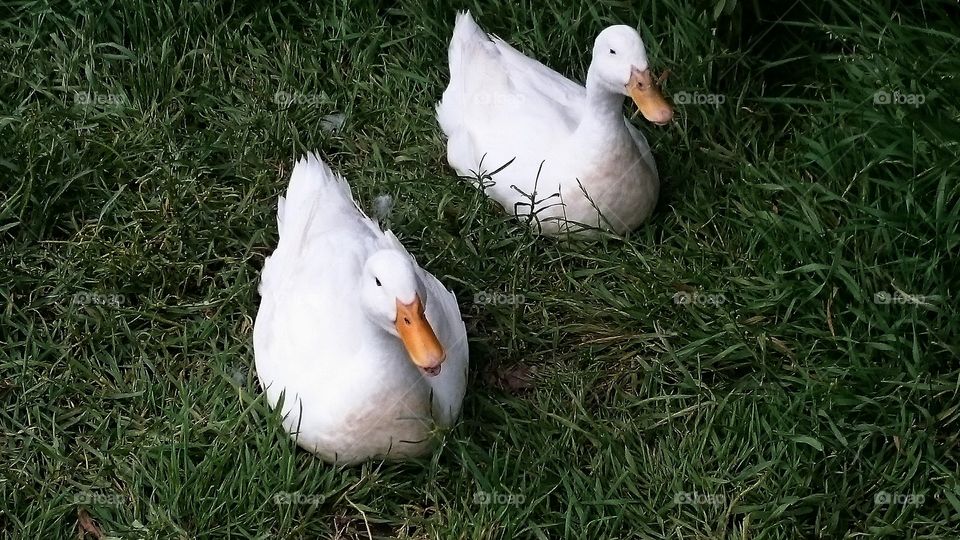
{"points": [[378, 282], [613, 51], [406, 320]]}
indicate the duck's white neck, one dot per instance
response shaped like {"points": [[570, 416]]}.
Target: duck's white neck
{"points": [[602, 120]]}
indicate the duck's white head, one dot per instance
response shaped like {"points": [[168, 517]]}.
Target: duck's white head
{"points": [[620, 65], [395, 300]]}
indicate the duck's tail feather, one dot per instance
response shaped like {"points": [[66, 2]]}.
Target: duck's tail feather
{"points": [[471, 54], [469, 46], [315, 191], [467, 35]]}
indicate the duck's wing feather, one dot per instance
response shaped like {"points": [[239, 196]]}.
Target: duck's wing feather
{"points": [[318, 202], [316, 218], [531, 77], [499, 101], [643, 145]]}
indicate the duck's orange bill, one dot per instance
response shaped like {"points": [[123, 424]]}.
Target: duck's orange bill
{"points": [[646, 94], [418, 337]]}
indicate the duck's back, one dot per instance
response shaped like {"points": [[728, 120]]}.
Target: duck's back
{"points": [[304, 287], [501, 105]]}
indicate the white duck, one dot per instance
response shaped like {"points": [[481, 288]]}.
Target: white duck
{"points": [[546, 140], [352, 332]]}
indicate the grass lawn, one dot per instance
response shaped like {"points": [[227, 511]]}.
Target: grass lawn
{"points": [[775, 355]]}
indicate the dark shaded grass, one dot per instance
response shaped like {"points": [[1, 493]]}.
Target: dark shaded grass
{"points": [[782, 407]]}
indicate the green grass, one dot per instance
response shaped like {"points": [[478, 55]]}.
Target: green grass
{"points": [[784, 403]]}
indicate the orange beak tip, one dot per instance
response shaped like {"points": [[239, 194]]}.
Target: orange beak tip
{"points": [[663, 118], [660, 116], [418, 337]]}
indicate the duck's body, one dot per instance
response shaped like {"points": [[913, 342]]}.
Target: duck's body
{"points": [[568, 144], [351, 391]]}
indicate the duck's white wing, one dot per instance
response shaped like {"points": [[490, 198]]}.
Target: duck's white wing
{"points": [[501, 105], [450, 385], [318, 202], [644, 147], [301, 279], [532, 77]]}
